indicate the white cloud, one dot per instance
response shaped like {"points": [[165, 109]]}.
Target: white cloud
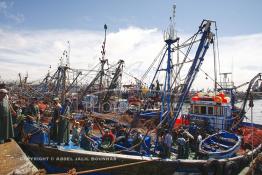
{"points": [[34, 51], [243, 55]]}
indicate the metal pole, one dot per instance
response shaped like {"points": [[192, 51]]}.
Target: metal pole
{"points": [[251, 105], [168, 75], [215, 69]]}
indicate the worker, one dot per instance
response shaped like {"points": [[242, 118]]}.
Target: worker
{"points": [[18, 122], [181, 142], [137, 142], [108, 140], [192, 128], [75, 133], [167, 144], [189, 140], [63, 124], [32, 111], [199, 139], [55, 119], [121, 134], [6, 124], [187, 146], [87, 142]]}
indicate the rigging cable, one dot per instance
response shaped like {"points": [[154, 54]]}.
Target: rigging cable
{"points": [[206, 74], [218, 57], [152, 64], [186, 55], [215, 67], [89, 72]]}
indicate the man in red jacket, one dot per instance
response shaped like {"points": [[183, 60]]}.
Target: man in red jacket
{"points": [[108, 140]]}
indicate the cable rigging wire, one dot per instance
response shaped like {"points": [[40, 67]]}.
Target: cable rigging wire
{"points": [[218, 55], [206, 74], [193, 38], [89, 72], [152, 64]]}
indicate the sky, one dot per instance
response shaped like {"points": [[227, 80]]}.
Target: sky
{"points": [[34, 33]]}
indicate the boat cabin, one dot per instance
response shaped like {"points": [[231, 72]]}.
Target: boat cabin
{"points": [[213, 110]]}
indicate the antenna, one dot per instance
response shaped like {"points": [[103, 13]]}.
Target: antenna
{"points": [[49, 69], [104, 44], [174, 14], [170, 32], [65, 58], [60, 61]]}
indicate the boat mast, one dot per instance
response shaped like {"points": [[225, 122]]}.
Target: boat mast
{"points": [[64, 69], [215, 69], [102, 61], [170, 38], [99, 76], [61, 77], [205, 41]]}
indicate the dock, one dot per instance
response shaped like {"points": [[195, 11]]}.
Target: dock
{"points": [[14, 161]]}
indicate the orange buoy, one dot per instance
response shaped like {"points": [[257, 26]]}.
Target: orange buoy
{"points": [[226, 100], [222, 95], [218, 99]]}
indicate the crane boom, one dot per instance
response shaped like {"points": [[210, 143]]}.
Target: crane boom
{"points": [[251, 83], [206, 39], [91, 84], [114, 81], [239, 86], [247, 95]]}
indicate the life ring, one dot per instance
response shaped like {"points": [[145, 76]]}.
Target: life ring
{"points": [[226, 100], [230, 168], [106, 107], [212, 165]]}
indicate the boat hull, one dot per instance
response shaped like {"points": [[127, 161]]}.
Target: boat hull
{"points": [[56, 160]]}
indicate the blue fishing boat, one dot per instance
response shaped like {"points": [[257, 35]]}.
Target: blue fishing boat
{"points": [[220, 145], [209, 113]]}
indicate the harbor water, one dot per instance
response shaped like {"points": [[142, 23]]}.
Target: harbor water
{"points": [[257, 112]]}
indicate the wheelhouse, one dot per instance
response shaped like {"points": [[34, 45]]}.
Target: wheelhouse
{"points": [[213, 110]]}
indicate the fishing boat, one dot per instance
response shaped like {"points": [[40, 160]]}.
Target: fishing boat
{"points": [[63, 159], [220, 145], [216, 113]]}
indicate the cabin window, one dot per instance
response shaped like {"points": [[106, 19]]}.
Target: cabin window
{"points": [[219, 111], [191, 109], [203, 110], [222, 111], [226, 111], [210, 110], [196, 109]]}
